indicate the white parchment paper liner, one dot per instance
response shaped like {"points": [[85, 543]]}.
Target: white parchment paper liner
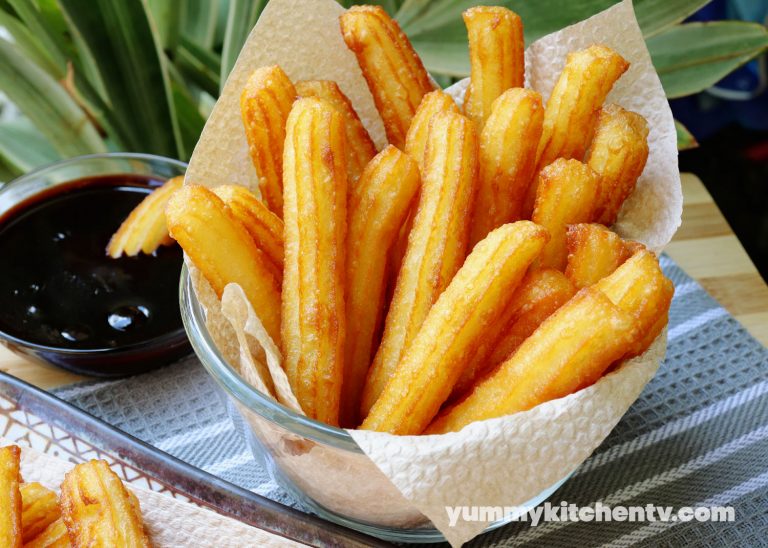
{"points": [[500, 462], [170, 523]]}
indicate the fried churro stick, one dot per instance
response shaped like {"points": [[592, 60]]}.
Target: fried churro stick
{"points": [[377, 209], [571, 113], [569, 351], [433, 103], [265, 227], [618, 154], [39, 508], [97, 508], [54, 536], [144, 229], [567, 195], [360, 147], [437, 244], [507, 159], [415, 146], [315, 185], [264, 106], [594, 252], [496, 50], [392, 69], [220, 246], [540, 293], [10, 497], [454, 328], [640, 288]]}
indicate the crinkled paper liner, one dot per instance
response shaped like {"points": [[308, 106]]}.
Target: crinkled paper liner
{"points": [[501, 462], [170, 522]]}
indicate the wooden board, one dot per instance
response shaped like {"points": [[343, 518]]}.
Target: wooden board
{"points": [[705, 246]]}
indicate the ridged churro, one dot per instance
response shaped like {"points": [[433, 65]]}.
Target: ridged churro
{"points": [[594, 252], [496, 56], [360, 147], [618, 154], [144, 229], [569, 351], [507, 159], [98, 510], [640, 288], [264, 106], [315, 216], [39, 508], [437, 243], [220, 246], [394, 73], [567, 195], [453, 329], [572, 108], [540, 293], [10, 497], [377, 208], [53, 536], [265, 227]]}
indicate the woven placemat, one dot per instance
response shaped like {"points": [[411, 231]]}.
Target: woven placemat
{"points": [[697, 436]]}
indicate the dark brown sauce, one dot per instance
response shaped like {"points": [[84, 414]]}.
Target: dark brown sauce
{"points": [[57, 285]]}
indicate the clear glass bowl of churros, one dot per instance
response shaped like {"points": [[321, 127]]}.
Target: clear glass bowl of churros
{"points": [[320, 466]]}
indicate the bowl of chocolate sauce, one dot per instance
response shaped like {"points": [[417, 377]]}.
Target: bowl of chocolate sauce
{"points": [[63, 301]]}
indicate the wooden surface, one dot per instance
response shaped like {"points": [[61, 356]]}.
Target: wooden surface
{"points": [[705, 247]]}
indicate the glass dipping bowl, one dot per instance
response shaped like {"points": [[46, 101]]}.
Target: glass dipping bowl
{"points": [[122, 360], [319, 465]]}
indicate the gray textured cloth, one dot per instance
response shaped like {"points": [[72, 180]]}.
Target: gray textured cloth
{"points": [[698, 435]]}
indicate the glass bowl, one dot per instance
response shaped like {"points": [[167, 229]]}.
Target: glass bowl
{"points": [[319, 465], [117, 361]]}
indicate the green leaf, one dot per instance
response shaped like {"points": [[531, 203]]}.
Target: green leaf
{"points": [[164, 13], [191, 122], [448, 58], [50, 42], [655, 16], [23, 148], [28, 44], [46, 104], [685, 139], [200, 66], [123, 46], [691, 57], [199, 21], [241, 18]]}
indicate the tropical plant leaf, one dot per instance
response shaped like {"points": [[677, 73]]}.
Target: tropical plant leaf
{"points": [[164, 13], [27, 43], [200, 66], [47, 105], [242, 15], [120, 40], [654, 16], [23, 148], [50, 41], [691, 57], [198, 21], [191, 122], [685, 139]]}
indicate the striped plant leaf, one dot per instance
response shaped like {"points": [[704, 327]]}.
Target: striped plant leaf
{"points": [[691, 57], [685, 139], [126, 51], [241, 18], [47, 105], [23, 148]]}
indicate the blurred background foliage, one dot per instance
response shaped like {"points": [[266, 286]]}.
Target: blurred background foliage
{"points": [[90, 76]]}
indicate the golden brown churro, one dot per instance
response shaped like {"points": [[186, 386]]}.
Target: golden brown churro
{"points": [[594, 252], [507, 159], [496, 56], [98, 510], [392, 69], [39, 508], [569, 351], [144, 229], [264, 106], [618, 154], [437, 244], [315, 216], [220, 246], [360, 147], [456, 324], [10, 497], [377, 209]]}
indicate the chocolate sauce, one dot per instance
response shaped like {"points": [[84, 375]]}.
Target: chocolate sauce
{"points": [[59, 288]]}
